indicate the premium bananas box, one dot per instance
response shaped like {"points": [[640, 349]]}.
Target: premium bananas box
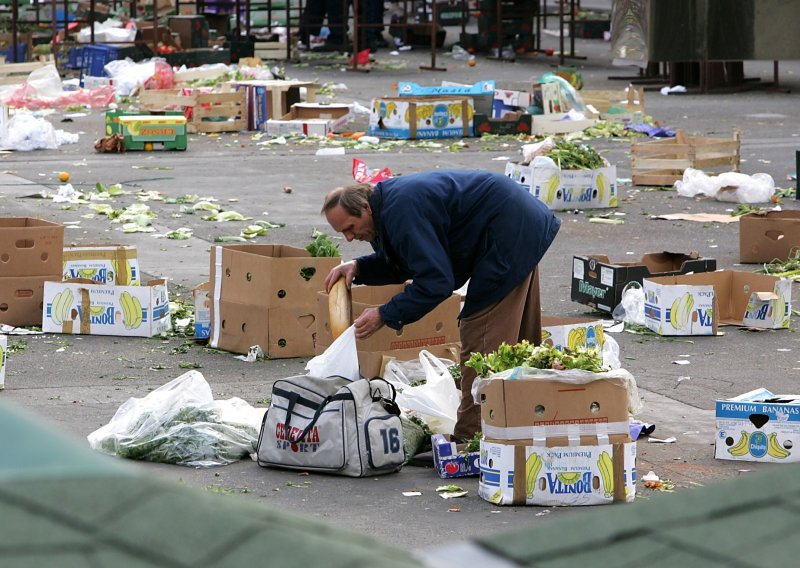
{"points": [[568, 189], [421, 117], [572, 332], [3, 359], [697, 304], [758, 426], [599, 282], [84, 307], [523, 474], [104, 264]]}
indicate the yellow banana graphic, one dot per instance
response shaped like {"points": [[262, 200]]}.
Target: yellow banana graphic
{"points": [[552, 186], [87, 272], [742, 447], [55, 314], [496, 497], [681, 312], [546, 335], [599, 335], [780, 312], [137, 315], [576, 338], [569, 477], [532, 466], [123, 272], [601, 187], [775, 449], [60, 307], [96, 310], [128, 315], [606, 467]]}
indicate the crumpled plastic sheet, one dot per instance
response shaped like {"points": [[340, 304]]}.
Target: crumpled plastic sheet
{"points": [[27, 132], [27, 97], [650, 130]]}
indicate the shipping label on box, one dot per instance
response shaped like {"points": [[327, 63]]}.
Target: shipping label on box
{"points": [[3, 360], [202, 310], [695, 304], [104, 264], [83, 307], [766, 236], [568, 189], [518, 474], [758, 426], [572, 332], [679, 310], [600, 283], [30, 247], [449, 459], [423, 117]]}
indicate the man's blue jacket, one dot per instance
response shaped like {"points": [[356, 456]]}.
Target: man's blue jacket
{"points": [[441, 228]]}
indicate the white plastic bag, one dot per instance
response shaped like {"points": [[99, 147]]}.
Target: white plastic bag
{"points": [[181, 423], [435, 401], [631, 307], [730, 186], [338, 360], [26, 132]]}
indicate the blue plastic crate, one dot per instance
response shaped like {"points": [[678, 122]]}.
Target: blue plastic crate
{"points": [[75, 58], [11, 57], [95, 57]]}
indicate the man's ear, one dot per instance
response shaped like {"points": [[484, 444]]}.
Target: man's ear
{"points": [[367, 209]]}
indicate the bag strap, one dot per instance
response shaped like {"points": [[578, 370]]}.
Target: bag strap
{"points": [[346, 395], [388, 403]]}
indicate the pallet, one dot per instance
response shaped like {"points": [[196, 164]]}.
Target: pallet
{"points": [[662, 162], [275, 50], [220, 107]]}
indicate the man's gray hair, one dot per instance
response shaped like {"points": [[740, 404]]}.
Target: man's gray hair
{"points": [[351, 197]]}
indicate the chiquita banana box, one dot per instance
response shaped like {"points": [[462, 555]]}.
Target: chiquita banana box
{"points": [[83, 307], [696, 304], [572, 332], [568, 189], [3, 357], [517, 474], [421, 117], [758, 426], [104, 264]]}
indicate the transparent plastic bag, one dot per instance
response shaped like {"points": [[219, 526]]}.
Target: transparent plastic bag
{"points": [[435, 401], [631, 308], [181, 423]]}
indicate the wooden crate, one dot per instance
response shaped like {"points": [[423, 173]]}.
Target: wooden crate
{"points": [[630, 99], [662, 162], [274, 50], [218, 106]]}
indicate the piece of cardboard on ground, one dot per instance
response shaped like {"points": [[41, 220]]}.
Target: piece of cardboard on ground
{"points": [[99, 309], [758, 426], [599, 282], [702, 302], [265, 295], [768, 236], [105, 264]]}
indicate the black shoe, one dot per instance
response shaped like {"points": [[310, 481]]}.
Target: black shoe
{"points": [[329, 47]]}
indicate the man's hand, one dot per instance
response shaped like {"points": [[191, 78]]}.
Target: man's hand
{"points": [[368, 323], [349, 270]]}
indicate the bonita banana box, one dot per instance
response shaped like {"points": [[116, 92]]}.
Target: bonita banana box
{"points": [[104, 264], [3, 359], [758, 426], [87, 308], [202, 310], [521, 474], [568, 189], [696, 304], [421, 117], [572, 332]]}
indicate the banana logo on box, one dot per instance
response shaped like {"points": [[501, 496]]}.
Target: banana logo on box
{"points": [[532, 467], [131, 310], [681, 312], [123, 271], [606, 467], [60, 306]]}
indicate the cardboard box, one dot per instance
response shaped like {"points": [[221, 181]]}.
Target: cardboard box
{"points": [[767, 236], [572, 332], [520, 474], [103, 264], [482, 92], [192, 30], [568, 189], [202, 310], [3, 359], [555, 412], [373, 363], [21, 299], [30, 247], [421, 117], [696, 304], [599, 282], [513, 123], [311, 119], [265, 295], [272, 99], [87, 308], [758, 426], [508, 101], [449, 459]]}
